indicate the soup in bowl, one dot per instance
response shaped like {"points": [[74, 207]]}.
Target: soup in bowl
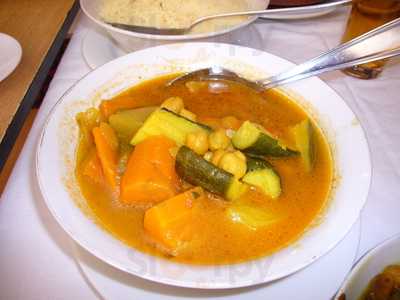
{"points": [[202, 177]]}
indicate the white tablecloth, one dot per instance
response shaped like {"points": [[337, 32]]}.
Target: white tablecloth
{"points": [[36, 259]]}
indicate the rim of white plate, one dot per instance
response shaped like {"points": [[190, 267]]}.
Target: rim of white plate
{"points": [[356, 172]]}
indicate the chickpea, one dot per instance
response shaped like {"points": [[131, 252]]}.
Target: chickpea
{"points": [[188, 114], [230, 122], [208, 156], [218, 140], [240, 155], [174, 104], [217, 156], [230, 133], [198, 142], [233, 163]]}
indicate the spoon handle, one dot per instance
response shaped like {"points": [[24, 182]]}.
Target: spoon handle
{"points": [[380, 43], [274, 12]]}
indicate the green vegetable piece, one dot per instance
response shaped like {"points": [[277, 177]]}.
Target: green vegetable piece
{"points": [[256, 163], [169, 124], [196, 170], [260, 173], [266, 179], [303, 134], [127, 122], [253, 139], [251, 216], [236, 189]]}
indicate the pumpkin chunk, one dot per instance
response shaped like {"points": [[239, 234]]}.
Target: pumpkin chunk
{"points": [[91, 167], [150, 175], [107, 149], [169, 221]]}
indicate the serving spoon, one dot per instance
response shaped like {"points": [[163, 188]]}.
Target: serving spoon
{"points": [[264, 13], [381, 43]]}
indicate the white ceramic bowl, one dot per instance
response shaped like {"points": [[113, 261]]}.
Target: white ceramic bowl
{"points": [[132, 41], [370, 265], [56, 159]]}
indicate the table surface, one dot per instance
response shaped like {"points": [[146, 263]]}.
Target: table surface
{"points": [[36, 257], [35, 25]]}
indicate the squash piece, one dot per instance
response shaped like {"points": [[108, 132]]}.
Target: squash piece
{"points": [[194, 169], [256, 140], [169, 221], [169, 124], [303, 134], [91, 167], [107, 149], [86, 120], [111, 106], [127, 122], [150, 175]]}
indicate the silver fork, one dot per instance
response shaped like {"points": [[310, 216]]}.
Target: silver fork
{"points": [[381, 43]]}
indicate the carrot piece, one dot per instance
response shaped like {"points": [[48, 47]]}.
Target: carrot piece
{"points": [[107, 149], [169, 221], [91, 167], [150, 175], [109, 107]]}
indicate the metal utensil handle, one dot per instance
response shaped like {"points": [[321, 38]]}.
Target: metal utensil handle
{"points": [[369, 58], [274, 11], [343, 56]]}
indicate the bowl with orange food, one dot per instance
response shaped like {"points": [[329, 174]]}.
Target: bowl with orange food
{"points": [[115, 17], [185, 184]]}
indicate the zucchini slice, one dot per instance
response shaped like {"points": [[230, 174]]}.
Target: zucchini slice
{"points": [[303, 134], [261, 174], [169, 124], [196, 170], [126, 122], [253, 139], [256, 163]]}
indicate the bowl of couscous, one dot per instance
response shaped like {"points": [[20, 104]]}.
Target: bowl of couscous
{"points": [[168, 13]]}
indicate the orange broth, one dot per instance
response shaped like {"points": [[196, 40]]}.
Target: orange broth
{"points": [[218, 240]]}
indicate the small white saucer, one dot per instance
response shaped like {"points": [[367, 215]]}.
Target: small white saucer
{"points": [[10, 55], [318, 281], [98, 48]]}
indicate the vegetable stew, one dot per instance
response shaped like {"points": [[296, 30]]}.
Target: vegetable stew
{"points": [[203, 172]]}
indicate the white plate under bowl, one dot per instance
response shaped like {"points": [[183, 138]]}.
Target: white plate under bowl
{"points": [[113, 284], [56, 157], [10, 55], [98, 47], [370, 265]]}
